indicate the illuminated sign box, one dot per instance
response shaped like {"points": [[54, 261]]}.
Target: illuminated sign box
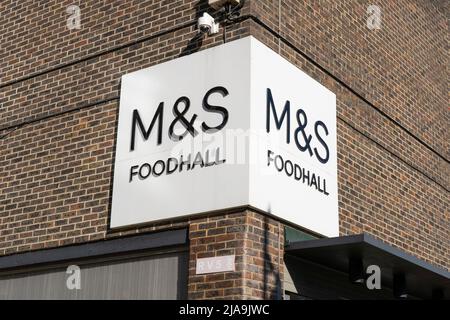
{"points": [[234, 125]]}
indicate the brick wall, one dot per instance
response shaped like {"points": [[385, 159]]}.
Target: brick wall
{"points": [[392, 93], [55, 171], [59, 94], [257, 243]]}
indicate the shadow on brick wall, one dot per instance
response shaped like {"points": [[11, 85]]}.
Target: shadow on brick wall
{"points": [[269, 267]]}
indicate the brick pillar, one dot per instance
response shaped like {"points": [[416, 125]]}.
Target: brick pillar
{"points": [[255, 240]]}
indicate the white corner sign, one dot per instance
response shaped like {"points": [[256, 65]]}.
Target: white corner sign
{"points": [[215, 264], [230, 126]]}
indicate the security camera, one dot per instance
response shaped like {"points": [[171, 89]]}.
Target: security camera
{"points": [[207, 24]]}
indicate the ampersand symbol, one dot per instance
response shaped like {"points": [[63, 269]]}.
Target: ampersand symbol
{"points": [[180, 117], [301, 127]]}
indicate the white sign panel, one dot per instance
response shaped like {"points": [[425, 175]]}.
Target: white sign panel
{"points": [[215, 264], [230, 126]]}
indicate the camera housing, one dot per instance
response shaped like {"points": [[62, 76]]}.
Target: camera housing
{"points": [[207, 24]]}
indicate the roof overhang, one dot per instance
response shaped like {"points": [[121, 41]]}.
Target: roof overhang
{"points": [[421, 279]]}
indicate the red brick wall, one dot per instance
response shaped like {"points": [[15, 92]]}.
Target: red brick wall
{"points": [[257, 243], [59, 94]]}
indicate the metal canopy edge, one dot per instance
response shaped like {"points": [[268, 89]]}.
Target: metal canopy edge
{"points": [[422, 277]]}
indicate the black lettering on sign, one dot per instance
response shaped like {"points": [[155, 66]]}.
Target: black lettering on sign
{"points": [[278, 121], [217, 109], [306, 141], [301, 128], [180, 117], [322, 142], [146, 133]]}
